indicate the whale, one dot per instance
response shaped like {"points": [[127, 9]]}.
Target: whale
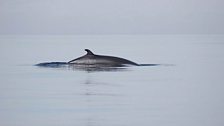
{"points": [[101, 60], [91, 62]]}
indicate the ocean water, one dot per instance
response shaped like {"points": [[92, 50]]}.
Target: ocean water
{"points": [[186, 89]]}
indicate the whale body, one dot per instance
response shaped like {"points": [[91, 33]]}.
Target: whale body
{"points": [[94, 63], [101, 60]]}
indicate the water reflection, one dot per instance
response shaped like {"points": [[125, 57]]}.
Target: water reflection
{"points": [[96, 68], [88, 68], [52, 64], [90, 84], [97, 100]]}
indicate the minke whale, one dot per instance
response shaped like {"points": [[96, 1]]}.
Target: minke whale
{"points": [[94, 62], [101, 60]]}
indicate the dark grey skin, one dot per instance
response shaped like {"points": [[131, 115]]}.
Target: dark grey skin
{"points": [[92, 59]]}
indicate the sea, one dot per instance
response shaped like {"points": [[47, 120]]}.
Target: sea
{"points": [[186, 88]]}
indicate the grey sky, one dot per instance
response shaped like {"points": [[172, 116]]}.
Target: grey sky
{"points": [[111, 16]]}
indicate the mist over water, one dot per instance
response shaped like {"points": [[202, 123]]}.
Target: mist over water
{"points": [[111, 17], [186, 89]]}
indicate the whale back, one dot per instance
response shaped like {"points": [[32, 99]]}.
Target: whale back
{"points": [[91, 59]]}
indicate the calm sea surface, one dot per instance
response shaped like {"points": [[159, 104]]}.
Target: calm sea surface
{"points": [[187, 89]]}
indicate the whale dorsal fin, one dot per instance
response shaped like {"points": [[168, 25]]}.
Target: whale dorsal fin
{"points": [[89, 52]]}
